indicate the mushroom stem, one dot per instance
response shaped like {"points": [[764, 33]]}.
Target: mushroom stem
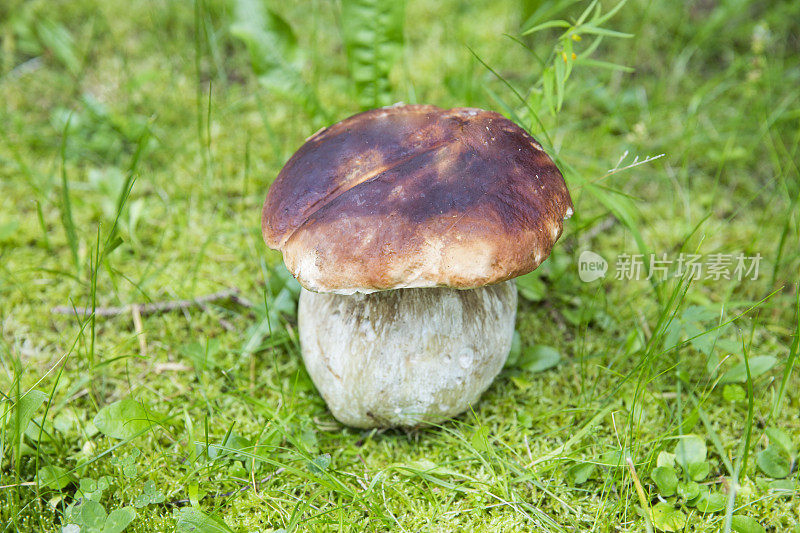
{"points": [[405, 357]]}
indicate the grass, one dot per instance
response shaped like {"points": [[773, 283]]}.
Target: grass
{"points": [[138, 142]]}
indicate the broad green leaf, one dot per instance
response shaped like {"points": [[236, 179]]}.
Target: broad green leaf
{"points": [[258, 332], [712, 502], [784, 487], [698, 470], [580, 473], [666, 479], [734, 393], [745, 524], [688, 490], [34, 432], [516, 350], [236, 442], [698, 313], [520, 382], [128, 463], [690, 449], [320, 463], [673, 333], [65, 421], [270, 41], [226, 448], [429, 471], [539, 358], [150, 494], [623, 209], [22, 412], [573, 316], [773, 463], [667, 518], [93, 490], [284, 303], [92, 516], [202, 355], [119, 519], [276, 59], [280, 278], [282, 299], [665, 459], [690, 420], [613, 458], [125, 419], [758, 366], [142, 500], [53, 477], [531, 287], [782, 441], [373, 39], [87, 485], [480, 439], [700, 338]]}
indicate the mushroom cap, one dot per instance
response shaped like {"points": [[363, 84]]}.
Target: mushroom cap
{"points": [[415, 196]]}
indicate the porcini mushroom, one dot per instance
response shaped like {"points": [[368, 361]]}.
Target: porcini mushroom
{"points": [[406, 226]]}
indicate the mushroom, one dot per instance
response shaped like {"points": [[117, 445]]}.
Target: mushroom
{"points": [[406, 226]]}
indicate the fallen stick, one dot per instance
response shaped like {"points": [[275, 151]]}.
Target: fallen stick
{"points": [[156, 307]]}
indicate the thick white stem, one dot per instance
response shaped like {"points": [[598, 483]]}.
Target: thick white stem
{"points": [[405, 357]]}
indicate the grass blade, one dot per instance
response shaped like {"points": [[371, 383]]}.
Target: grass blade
{"points": [[787, 371], [66, 205]]}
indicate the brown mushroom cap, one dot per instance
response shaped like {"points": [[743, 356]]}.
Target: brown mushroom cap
{"points": [[415, 196]]}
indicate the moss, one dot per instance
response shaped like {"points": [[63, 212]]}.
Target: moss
{"points": [[713, 91]]}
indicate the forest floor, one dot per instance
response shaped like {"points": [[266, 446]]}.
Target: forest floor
{"points": [[136, 148]]}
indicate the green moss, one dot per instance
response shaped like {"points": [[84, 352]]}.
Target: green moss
{"points": [[714, 89]]}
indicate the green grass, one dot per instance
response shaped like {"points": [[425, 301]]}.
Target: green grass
{"points": [[137, 143]]}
